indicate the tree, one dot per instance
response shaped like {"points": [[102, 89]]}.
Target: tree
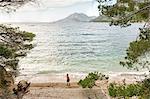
{"points": [[12, 5], [12, 46], [124, 13]]}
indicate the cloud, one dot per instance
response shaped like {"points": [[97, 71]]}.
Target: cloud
{"points": [[51, 10], [51, 4], [61, 3]]}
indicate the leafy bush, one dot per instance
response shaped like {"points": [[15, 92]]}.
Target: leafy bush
{"points": [[89, 81], [112, 90], [141, 89], [124, 90], [146, 88]]}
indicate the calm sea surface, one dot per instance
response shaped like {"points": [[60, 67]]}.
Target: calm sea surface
{"points": [[76, 47]]}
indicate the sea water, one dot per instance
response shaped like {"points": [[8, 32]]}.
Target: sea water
{"points": [[76, 47]]}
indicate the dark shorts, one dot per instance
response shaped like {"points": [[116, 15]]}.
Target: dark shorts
{"points": [[68, 80]]}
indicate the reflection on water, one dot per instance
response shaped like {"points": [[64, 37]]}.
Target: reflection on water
{"points": [[76, 47]]}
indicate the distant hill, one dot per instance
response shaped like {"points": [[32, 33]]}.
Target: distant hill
{"points": [[77, 17], [101, 18]]}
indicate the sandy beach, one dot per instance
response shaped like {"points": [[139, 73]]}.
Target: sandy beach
{"points": [[54, 87], [45, 86]]}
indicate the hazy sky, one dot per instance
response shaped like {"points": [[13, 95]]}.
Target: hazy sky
{"points": [[51, 10]]}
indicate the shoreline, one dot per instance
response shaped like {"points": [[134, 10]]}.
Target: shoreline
{"points": [[61, 78]]}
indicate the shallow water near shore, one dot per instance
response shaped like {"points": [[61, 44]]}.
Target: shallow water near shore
{"points": [[76, 48]]}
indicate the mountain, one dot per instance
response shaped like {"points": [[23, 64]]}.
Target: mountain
{"points": [[77, 17], [102, 18]]}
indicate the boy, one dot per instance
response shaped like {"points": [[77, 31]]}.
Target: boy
{"points": [[68, 80]]}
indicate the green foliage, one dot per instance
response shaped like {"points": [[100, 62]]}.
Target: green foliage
{"points": [[12, 63], [28, 36], [141, 90], [145, 88], [5, 52], [137, 48], [89, 81], [126, 11], [124, 90], [12, 46], [112, 90], [28, 46], [123, 13]]}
